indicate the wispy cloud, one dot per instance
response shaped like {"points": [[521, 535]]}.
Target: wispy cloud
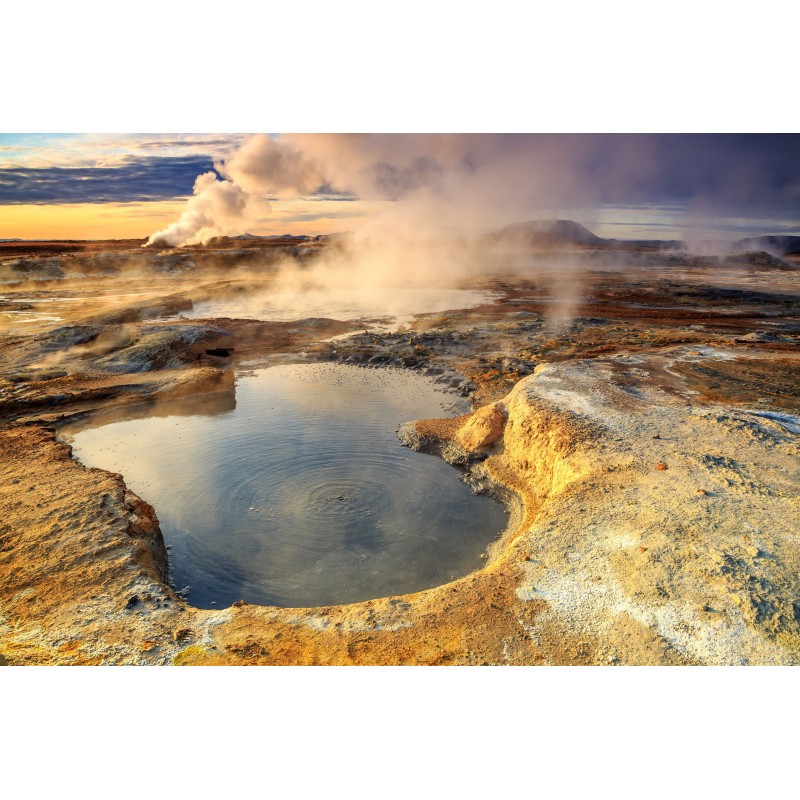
{"points": [[37, 150]]}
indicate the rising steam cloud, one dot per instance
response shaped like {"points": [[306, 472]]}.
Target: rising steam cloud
{"points": [[443, 190], [468, 182], [438, 182]]}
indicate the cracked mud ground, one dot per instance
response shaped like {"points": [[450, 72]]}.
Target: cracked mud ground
{"points": [[646, 439]]}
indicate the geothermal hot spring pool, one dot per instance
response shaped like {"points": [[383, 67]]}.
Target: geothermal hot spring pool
{"points": [[394, 307], [296, 492]]}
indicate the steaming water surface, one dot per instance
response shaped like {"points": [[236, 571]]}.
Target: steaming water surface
{"points": [[297, 492], [400, 304]]}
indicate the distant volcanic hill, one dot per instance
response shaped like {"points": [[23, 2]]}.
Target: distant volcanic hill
{"points": [[547, 233], [560, 234], [774, 245], [288, 237], [275, 237]]}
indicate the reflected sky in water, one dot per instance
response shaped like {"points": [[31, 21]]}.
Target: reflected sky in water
{"points": [[297, 492], [399, 304]]}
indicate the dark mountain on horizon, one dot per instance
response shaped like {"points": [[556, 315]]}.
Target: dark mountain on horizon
{"points": [[774, 245], [559, 233], [300, 237], [548, 232]]}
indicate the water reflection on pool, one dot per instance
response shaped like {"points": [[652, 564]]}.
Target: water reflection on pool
{"points": [[396, 307], [297, 492]]}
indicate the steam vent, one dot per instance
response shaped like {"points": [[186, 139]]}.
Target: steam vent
{"points": [[417, 435]]}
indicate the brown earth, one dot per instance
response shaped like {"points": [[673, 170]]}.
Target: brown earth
{"points": [[649, 456]]}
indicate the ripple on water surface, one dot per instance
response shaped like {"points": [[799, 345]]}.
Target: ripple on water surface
{"points": [[297, 492]]}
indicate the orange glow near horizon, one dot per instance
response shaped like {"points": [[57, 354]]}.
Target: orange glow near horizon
{"points": [[86, 220], [139, 220]]}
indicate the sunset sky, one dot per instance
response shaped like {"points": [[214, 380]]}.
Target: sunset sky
{"points": [[96, 186]]}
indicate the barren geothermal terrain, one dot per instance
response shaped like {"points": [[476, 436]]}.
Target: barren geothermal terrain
{"points": [[585, 453]]}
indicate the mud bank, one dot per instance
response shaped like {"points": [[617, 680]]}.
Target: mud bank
{"points": [[652, 531]]}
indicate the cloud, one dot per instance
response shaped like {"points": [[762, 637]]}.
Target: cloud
{"points": [[265, 165], [134, 179], [471, 181], [209, 211], [433, 186], [41, 151]]}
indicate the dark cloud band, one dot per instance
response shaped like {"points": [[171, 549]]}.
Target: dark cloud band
{"points": [[134, 180]]}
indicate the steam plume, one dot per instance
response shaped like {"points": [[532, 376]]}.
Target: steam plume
{"points": [[444, 190], [475, 181]]}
